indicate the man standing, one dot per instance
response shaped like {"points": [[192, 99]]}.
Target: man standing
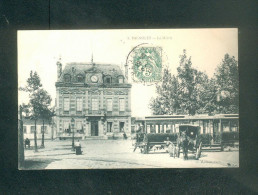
{"points": [[77, 146]]}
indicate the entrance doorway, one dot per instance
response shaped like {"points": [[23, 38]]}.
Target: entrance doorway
{"points": [[94, 128]]}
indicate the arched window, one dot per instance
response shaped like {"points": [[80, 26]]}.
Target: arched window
{"points": [[80, 78], [120, 79], [67, 78]]}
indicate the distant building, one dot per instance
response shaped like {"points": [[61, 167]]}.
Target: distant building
{"points": [[96, 96], [29, 128]]}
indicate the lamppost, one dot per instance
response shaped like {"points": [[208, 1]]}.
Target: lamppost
{"points": [[72, 124]]}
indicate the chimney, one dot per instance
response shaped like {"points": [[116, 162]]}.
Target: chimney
{"points": [[59, 68]]}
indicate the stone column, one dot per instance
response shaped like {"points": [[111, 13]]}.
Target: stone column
{"points": [[100, 133]]}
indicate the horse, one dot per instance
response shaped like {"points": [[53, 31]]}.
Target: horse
{"points": [[183, 142]]}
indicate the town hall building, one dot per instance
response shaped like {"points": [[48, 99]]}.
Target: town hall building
{"points": [[92, 100]]}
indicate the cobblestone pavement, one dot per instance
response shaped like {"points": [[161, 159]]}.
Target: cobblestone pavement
{"points": [[109, 154]]}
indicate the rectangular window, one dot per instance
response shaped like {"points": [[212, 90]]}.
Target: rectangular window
{"points": [[45, 129], [79, 104], [66, 126], [121, 104], [204, 125], [66, 104], [24, 129], [95, 104], [32, 129], [234, 126], [121, 126], [169, 128], [78, 125], [164, 128], [109, 104], [148, 129], [225, 126], [109, 126]]}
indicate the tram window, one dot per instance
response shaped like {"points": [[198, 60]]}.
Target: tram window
{"points": [[225, 126], [234, 126], [148, 128], [156, 128]]}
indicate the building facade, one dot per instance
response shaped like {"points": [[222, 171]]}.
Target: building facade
{"points": [[29, 128], [92, 100]]}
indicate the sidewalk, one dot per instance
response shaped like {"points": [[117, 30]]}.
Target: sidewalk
{"points": [[108, 154]]}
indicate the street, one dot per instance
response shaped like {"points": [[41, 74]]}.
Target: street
{"points": [[118, 154]]}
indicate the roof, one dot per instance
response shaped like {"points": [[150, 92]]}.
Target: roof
{"points": [[82, 68], [195, 117], [27, 121]]}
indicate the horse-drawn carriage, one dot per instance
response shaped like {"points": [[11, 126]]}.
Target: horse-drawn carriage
{"points": [[154, 141], [186, 139], [189, 139]]}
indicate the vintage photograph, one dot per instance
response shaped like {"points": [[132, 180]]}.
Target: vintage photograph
{"points": [[128, 98]]}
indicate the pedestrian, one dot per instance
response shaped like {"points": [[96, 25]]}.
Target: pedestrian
{"points": [[27, 143], [77, 146], [125, 136]]}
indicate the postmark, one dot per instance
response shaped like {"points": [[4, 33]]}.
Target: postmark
{"points": [[146, 64]]}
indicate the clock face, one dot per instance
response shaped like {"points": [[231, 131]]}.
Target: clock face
{"points": [[94, 78]]}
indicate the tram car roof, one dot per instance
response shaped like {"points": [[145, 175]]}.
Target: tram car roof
{"points": [[188, 117]]}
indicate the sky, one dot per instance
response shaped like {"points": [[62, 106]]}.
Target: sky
{"points": [[40, 50]]}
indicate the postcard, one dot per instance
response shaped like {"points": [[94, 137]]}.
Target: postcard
{"points": [[128, 98]]}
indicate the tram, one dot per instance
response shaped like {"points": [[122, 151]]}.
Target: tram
{"points": [[217, 130]]}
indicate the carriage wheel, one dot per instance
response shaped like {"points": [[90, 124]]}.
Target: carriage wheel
{"points": [[178, 152], [198, 152], [200, 149]]}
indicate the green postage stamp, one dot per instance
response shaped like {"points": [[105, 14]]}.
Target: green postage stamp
{"points": [[147, 64]]}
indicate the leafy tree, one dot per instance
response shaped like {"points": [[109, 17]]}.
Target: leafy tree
{"points": [[207, 96], [167, 100], [33, 83], [190, 92], [25, 109], [39, 100], [193, 85], [227, 81], [46, 115]]}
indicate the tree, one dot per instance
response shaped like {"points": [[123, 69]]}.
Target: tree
{"points": [[187, 93], [193, 85], [46, 115], [38, 100], [227, 81], [207, 96], [25, 109], [167, 100]]}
